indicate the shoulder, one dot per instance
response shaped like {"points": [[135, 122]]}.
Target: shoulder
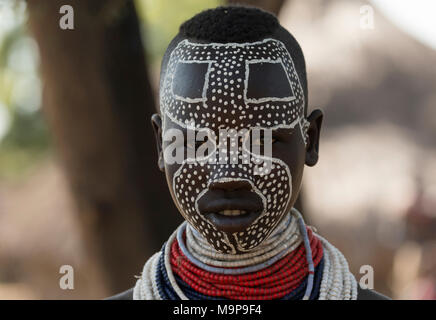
{"points": [[367, 294], [126, 295]]}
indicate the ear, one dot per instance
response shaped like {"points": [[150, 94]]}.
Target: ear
{"points": [[313, 132], [156, 122]]}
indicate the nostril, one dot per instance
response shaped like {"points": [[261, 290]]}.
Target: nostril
{"points": [[230, 185]]}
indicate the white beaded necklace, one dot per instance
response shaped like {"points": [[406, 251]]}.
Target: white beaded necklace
{"points": [[285, 238], [337, 283]]}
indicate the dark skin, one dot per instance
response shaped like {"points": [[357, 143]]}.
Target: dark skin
{"points": [[304, 155], [288, 146], [310, 159], [228, 103]]}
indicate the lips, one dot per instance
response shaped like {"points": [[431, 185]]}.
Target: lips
{"points": [[230, 211]]}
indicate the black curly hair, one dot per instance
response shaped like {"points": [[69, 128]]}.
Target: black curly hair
{"points": [[230, 24]]}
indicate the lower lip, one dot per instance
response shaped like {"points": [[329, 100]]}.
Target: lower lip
{"points": [[232, 224]]}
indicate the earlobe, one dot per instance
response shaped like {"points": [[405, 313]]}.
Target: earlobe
{"points": [[313, 132], [156, 122]]}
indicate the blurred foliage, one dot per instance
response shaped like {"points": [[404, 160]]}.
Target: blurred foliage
{"points": [[24, 137], [161, 20], [26, 142]]}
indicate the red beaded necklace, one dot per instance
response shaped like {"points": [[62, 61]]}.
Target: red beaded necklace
{"points": [[273, 282]]}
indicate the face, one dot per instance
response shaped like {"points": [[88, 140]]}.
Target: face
{"points": [[245, 103]]}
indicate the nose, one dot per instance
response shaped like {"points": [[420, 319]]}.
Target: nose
{"points": [[232, 185]]}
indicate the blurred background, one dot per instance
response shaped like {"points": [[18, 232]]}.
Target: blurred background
{"points": [[79, 184]]}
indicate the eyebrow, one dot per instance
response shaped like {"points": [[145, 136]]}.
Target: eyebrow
{"points": [[284, 131]]}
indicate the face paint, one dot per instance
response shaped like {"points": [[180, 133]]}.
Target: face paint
{"points": [[243, 86]]}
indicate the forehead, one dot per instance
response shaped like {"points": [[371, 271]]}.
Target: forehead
{"points": [[232, 85]]}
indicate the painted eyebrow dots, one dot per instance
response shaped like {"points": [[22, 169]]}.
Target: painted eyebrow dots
{"points": [[234, 85]]}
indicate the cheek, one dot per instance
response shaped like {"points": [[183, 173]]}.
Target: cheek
{"points": [[294, 156], [170, 170]]}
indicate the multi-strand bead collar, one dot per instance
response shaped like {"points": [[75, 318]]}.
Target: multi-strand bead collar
{"points": [[293, 263]]}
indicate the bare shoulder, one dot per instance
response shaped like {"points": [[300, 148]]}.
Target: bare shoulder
{"points": [[126, 295], [367, 294]]}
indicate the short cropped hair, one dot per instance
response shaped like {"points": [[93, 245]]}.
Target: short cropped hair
{"points": [[230, 24]]}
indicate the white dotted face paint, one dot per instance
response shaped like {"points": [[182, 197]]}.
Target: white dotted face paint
{"points": [[243, 86]]}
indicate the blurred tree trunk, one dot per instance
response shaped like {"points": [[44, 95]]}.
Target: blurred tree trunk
{"points": [[98, 102], [272, 6]]}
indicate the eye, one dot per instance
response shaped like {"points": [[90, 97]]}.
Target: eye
{"points": [[260, 138], [262, 141], [189, 79], [268, 81], [194, 144]]}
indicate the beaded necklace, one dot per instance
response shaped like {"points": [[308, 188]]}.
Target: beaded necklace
{"points": [[293, 263], [272, 282]]}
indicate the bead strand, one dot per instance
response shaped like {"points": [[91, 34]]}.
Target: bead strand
{"points": [[338, 282], [287, 245], [200, 264], [168, 267], [286, 228], [328, 276]]}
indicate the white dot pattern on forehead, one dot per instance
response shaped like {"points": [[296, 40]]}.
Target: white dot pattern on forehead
{"points": [[224, 105], [225, 81]]}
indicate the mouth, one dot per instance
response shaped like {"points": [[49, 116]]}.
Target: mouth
{"points": [[232, 221], [230, 214]]}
